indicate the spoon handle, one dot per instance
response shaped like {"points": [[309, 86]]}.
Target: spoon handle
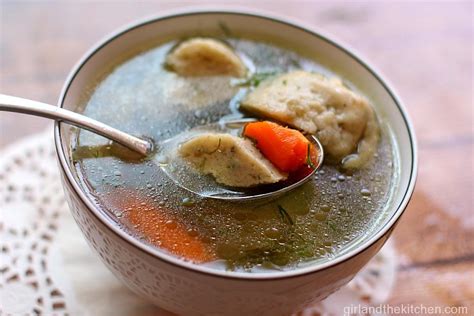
{"points": [[25, 106]]}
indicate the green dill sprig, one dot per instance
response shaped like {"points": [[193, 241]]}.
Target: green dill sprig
{"points": [[255, 79], [332, 226], [309, 162], [284, 215], [224, 28]]}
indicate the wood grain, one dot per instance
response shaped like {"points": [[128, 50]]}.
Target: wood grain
{"points": [[424, 48]]}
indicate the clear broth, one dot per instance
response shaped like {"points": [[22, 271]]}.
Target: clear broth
{"points": [[319, 220]]}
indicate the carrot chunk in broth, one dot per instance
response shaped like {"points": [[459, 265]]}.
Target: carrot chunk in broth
{"points": [[159, 228]]}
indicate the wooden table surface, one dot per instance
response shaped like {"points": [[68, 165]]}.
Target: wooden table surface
{"points": [[424, 48]]}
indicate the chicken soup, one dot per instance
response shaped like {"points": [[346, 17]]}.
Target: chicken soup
{"points": [[178, 87]]}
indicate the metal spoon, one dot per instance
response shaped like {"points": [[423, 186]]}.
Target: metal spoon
{"points": [[203, 186], [25, 106]]}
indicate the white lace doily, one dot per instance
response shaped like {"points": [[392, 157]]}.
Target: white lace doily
{"points": [[46, 268]]}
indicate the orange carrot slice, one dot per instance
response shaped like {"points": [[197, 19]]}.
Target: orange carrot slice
{"points": [[286, 148], [158, 227]]}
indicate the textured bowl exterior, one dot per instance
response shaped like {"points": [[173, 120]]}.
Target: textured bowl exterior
{"points": [[188, 289]]}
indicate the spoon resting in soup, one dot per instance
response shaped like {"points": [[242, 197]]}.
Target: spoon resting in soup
{"points": [[163, 93]]}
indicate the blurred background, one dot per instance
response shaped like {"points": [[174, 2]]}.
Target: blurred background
{"points": [[424, 48]]}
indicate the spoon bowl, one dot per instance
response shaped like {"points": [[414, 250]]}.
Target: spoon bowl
{"points": [[185, 176]]}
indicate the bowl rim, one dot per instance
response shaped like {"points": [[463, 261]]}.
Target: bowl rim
{"points": [[208, 271]]}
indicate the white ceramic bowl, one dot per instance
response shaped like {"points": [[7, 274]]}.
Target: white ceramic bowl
{"points": [[190, 289]]}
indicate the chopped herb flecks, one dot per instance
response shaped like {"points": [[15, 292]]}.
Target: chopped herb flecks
{"points": [[332, 226], [309, 161], [255, 79], [284, 215]]}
